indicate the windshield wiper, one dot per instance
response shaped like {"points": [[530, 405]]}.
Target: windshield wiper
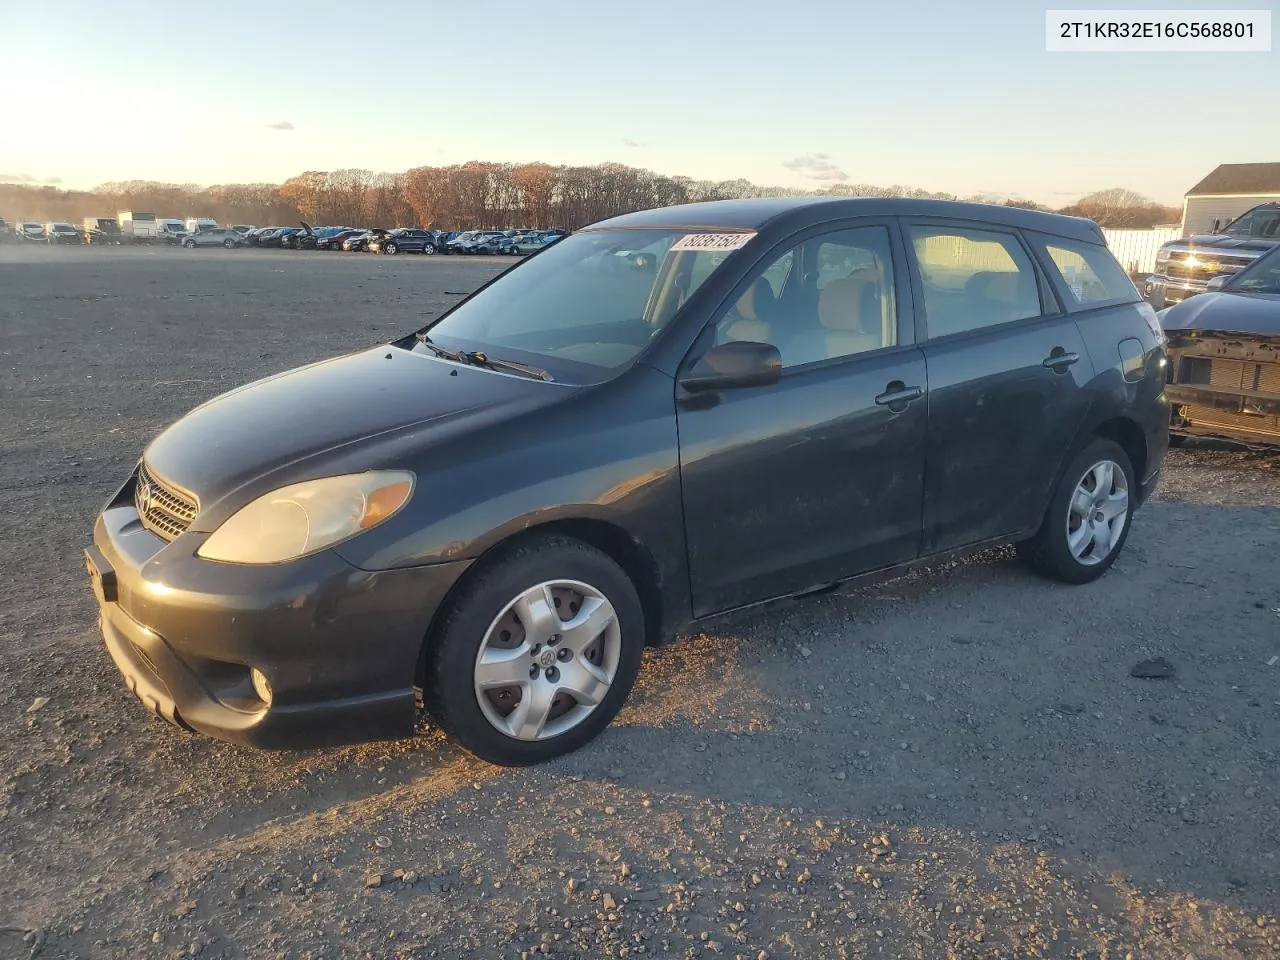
{"points": [[477, 359], [438, 350]]}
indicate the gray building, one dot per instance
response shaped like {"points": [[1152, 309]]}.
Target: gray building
{"points": [[1228, 192]]}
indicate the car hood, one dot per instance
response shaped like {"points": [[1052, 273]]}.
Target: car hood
{"points": [[1247, 313], [281, 426], [1222, 242]]}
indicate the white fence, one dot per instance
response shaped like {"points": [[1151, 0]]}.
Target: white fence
{"points": [[1136, 249]]}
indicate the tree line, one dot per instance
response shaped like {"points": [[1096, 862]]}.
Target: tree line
{"points": [[474, 195]]}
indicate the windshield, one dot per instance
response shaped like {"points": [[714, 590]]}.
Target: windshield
{"points": [[586, 305], [1261, 276]]}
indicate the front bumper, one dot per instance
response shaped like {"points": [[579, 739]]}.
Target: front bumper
{"points": [[338, 645], [1163, 291]]}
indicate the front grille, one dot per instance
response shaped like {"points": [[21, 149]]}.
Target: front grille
{"points": [[1206, 269], [162, 509], [1230, 375]]}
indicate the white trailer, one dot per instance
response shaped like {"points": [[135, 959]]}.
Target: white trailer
{"points": [[138, 227], [196, 224]]}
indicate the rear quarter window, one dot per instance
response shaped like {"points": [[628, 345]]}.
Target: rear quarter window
{"points": [[1087, 275]]}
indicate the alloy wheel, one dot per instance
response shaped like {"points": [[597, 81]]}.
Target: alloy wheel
{"points": [[1097, 513], [548, 660]]}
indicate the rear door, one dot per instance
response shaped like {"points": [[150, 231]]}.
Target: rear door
{"points": [[1007, 375]]}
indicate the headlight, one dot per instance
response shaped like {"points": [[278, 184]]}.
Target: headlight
{"points": [[307, 517]]}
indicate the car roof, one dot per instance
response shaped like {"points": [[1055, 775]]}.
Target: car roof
{"points": [[757, 212]]}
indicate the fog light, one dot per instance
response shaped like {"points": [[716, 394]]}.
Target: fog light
{"points": [[260, 685]]}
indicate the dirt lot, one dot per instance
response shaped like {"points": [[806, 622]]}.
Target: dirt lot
{"points": [[956, 764]]}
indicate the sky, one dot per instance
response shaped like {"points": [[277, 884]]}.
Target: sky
{"points": [[961, 98]]}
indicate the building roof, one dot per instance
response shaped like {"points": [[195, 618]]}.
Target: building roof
{"points": [[754, 213], [1240, 179]]}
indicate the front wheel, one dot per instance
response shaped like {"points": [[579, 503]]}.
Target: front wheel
{"points": [[229, 244], [537, 653], [1088, 518], [429, 250], [189, 244], [391, 249], [514, 252]]}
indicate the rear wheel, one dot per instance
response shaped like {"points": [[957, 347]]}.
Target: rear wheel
{"points": [[1088, 518], [429, 250], [537, 653]]}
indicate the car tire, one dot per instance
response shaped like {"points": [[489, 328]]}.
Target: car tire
{"points": [[1059, 550], [390, 249], [189, 244], [229, 244], [513, 252], [429, 250], [478, 618]]}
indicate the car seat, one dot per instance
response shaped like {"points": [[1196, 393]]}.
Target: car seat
{"points": [[751, 318], [850, 315]]}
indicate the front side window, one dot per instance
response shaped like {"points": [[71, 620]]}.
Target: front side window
{"points": [[838, 303], [587, 305], [973, 279], [1090, 273]]}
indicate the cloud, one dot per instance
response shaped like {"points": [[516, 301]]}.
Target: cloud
{"points": [[17, 178], [628, 142], [279, 125], [817, 166]]}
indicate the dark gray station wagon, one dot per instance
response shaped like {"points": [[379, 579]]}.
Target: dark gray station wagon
{"points": [[660, 418]]}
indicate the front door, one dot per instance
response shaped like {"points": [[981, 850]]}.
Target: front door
{"points": [[1007, 372], [819, 475]]}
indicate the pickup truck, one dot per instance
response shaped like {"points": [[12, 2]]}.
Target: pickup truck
{"points": [[1185, 267]]}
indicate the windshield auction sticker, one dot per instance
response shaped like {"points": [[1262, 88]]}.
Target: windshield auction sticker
{"points": [[712, 241], [1158, 31]]}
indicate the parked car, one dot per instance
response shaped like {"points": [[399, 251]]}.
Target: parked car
{"points": [[334, 241], [254, 237], [243, 229], [289, 237], [220, 237], [799, 392], [102, 230], [1224, 358], [62, 233], [28, 230], [360, 241], [490, 245], [170, 230], [470, 240], [4, 231], [1185, 267], [529, 243], [404, 240]]}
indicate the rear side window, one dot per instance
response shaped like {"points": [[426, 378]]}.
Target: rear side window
{"points": [[973, 279], [1089, 273]]}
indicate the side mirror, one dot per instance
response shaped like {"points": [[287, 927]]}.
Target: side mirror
{"points": [[1217, 283], [739, 363]]}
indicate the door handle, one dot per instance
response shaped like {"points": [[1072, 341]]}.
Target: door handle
{"points": [[1059, 360], [897, 392]]}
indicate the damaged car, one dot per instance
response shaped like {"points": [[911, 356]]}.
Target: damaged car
{"points": [[1223, 378], [659, 419]]}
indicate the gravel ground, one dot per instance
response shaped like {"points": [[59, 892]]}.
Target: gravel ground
{"points": [[954, 764]]}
